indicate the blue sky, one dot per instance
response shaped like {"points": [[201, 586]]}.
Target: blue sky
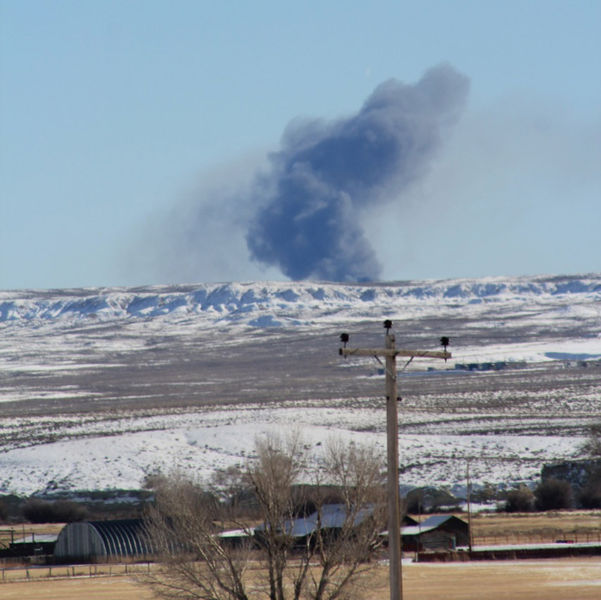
{"points": [[131, 132]]}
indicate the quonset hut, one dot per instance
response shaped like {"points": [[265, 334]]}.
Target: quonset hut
{"points": [[102, 540]]}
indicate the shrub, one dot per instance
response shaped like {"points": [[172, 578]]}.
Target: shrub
{"points": [[590, 495], [553, 494], [488, 493], [520, 500], [36, 510], [10, 508]]}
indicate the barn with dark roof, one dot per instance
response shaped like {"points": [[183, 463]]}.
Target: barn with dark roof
{"points": [[436, 533], [102, 540]]}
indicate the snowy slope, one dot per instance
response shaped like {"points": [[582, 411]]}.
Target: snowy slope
{"points": [[102, 386]]}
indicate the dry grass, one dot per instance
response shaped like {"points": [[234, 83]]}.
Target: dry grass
{"points": [[97, 588], [549, 526], [518, 580], [515, 580]]}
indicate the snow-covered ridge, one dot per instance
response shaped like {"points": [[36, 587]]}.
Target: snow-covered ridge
{"points": [[243, 301], [101, 386]]}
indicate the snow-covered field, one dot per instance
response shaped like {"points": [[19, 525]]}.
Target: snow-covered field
{"points": [[100, 387]]}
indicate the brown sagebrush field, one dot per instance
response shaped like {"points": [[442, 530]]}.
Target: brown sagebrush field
{"points": [[573, 579]]}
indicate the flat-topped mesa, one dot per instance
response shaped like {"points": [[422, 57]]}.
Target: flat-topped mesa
{"points": [[237, 300]]}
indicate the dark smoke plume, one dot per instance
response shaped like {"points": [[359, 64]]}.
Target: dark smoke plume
{"points": [[327, 174]]}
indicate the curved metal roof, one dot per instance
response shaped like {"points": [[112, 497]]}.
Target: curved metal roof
{"points": [[123, 537]]}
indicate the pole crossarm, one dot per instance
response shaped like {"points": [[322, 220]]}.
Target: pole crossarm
{"points": [[394, 353]]}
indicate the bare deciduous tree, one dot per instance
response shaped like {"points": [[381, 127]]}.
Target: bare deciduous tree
{"points": [[303, 548], [193, 562], [272, 477], [345, 539]]}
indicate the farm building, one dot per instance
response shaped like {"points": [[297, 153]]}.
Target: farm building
{"points": [[444, 532], [31, 545], [237, 537], [330, 519], [101, 540]]}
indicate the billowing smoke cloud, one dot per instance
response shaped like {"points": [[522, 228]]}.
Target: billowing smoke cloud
{"points": [[328, 174]]}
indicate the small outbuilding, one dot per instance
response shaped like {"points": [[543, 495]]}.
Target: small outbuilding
{"points": [[443, 532], [102, 540]]}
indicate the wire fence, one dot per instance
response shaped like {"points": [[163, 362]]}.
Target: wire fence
{"points": [[538, 538], [35, 573]]}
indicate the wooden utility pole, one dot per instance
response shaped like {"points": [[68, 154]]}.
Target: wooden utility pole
{"points": [[469, 505], [392, 442]]}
